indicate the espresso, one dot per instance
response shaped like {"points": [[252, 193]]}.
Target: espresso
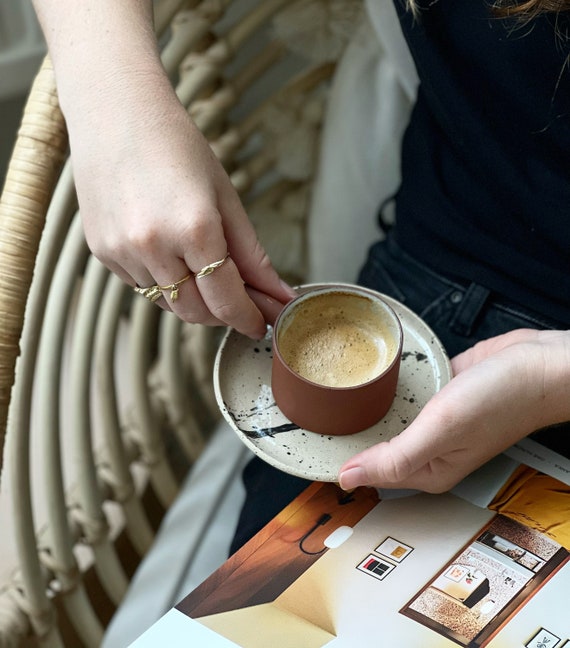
{"points": [[338, 340]]}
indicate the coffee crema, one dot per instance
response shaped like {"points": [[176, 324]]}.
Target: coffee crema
{"points": [[338, 340]]}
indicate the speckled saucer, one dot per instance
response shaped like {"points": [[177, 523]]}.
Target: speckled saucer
{"points": [[242, 381]]}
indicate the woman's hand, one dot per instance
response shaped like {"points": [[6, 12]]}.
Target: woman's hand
{"points": [[156, 205], [503, 389]]}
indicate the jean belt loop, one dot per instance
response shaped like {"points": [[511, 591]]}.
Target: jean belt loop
{"points": [[465, 317]]}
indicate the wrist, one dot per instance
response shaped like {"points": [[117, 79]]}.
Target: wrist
{"points": [[552, 378], [126, 96]]}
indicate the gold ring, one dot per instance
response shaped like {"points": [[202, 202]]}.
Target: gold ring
{"points": [[173, 287], [206, 270], [152, 293]]}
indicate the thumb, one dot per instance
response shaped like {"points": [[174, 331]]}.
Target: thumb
{"points": [[386, 464], [406, 461]]}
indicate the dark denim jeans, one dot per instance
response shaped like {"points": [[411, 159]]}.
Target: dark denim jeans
{"points": [[460, 314]]}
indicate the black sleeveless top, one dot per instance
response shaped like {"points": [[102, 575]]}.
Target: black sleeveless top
{"points": [[485, 193]]}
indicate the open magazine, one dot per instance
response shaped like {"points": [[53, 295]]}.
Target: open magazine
{"points": [[487, 565]]}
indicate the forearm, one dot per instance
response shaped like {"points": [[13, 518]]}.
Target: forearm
{"points": [[105, 55]]}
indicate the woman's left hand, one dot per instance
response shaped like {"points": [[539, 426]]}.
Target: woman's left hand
{"points": [[503, 389]]}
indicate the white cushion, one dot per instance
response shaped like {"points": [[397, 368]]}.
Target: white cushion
{"points": [[369, 107]]}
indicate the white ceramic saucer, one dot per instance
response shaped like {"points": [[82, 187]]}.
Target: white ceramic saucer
{"points": [[242, 381]]}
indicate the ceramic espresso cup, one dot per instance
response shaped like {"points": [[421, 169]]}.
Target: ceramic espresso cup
{"points": [[336, 359]]}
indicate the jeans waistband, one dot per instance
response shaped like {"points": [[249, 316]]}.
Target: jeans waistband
{"points": [[473, 296]]}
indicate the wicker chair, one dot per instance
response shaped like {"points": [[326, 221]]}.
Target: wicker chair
{"points": [[98, 423]]}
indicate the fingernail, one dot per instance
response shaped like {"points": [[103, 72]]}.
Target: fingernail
{"points": [[259, 335], [352, 478]]}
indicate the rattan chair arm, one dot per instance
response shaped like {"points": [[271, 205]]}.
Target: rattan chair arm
{"points": [[36, 163]]}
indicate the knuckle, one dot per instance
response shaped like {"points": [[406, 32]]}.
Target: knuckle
{"points": [[144, 236], [105, 250], [442, 475], [193, 315], [257, 262], [396, 467], [203, 225], [260, 253], [226, 312], [445, 414]]}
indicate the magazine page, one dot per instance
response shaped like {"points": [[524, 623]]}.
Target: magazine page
{"points": [[429, 570], [177, 630], [436, 571], [534, 453]]}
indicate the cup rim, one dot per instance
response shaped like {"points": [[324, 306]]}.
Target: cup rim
{"points": [[339, 288]]}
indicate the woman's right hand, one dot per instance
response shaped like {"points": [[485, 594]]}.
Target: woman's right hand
{"points": [[156, 204]]}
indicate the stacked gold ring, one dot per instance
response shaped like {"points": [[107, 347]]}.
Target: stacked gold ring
{"points": [[152, 293]]}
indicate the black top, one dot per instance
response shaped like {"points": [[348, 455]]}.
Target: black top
{"points": [[485, 192]]}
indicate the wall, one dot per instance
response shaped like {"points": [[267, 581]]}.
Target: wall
{"points": [[21, 50]]}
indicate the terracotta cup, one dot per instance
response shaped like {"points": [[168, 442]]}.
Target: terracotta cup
{"points": [[336, 359]]}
